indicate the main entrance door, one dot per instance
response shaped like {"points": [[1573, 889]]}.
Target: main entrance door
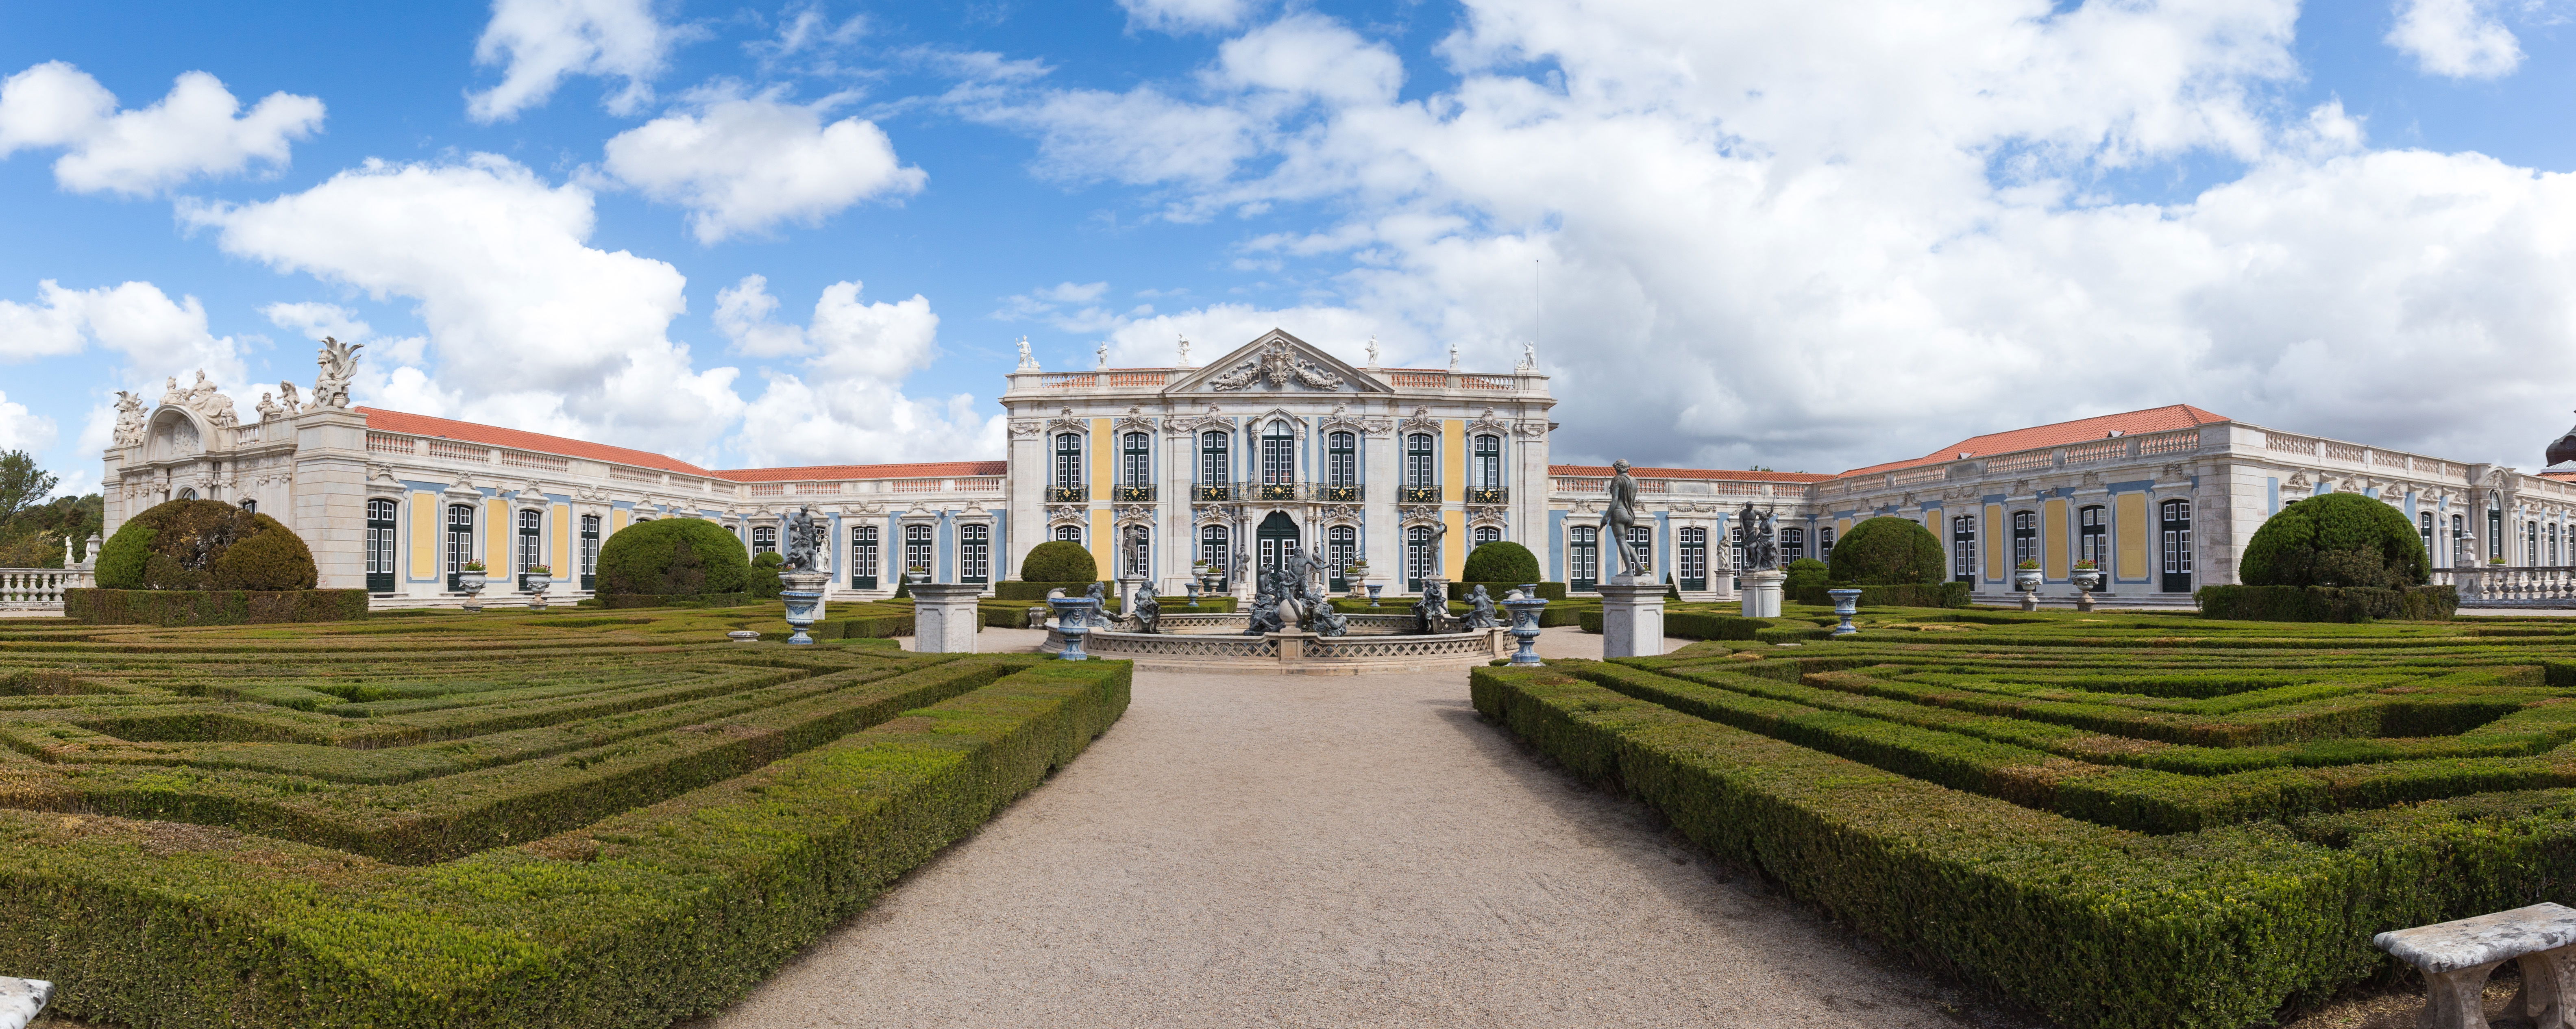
{"points": [[1276, 538], [2177, 546]]}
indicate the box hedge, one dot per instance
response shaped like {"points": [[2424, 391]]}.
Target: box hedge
{"points": [[1058, 561], [1019, 589], [1930, 594], [687, 557], [204, 545], [2327, 603], [212, 607]]}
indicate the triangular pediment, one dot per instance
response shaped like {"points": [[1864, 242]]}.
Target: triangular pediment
{"points": [[1277, 362]]}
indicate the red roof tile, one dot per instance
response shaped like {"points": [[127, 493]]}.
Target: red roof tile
{"points": [[492, 435], [1603, 471], [2127, 423]]}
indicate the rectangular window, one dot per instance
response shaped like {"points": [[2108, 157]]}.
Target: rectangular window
{"points": [[1139, 460], [2025, 537], [863, 557], [1793, 544], [1278, 455], [1582, 557], [2092, 537], [590, 552], [1215, 469], [1825, 543], [1213, 549], [974, 552], [916, 551], [380, 546], [1691, 559], [2424, 526], [1068, 459], [1341, 460], [764, 539], [1487, 467], [460, 543], [1418, 470], [1341, 547], [1963, 548], [1642, 539]]}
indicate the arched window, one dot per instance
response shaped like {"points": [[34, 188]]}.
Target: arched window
{"points": [[916, 551], [380, 546], [1342, 462], [1421, 478], [1216, 467], [1278, 455], [764, 539], [1488, 534], [1485, 468], [1690, 560], [1793, 543], [1421, 557], [974, 552], [1069, 533], [863, 557], [250, 505], [1582, 557], [2092, 537], [1341, 547], [590, 552], [187, 493], [1963, 548], [460, 543]]}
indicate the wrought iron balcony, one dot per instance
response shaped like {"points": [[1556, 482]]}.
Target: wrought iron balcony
{"points": [[1340, 493], [1273, 491], [1418, 494], [1279, 492], [1218, 492], [1496, 495], [1132, 494], [1067, 494]]}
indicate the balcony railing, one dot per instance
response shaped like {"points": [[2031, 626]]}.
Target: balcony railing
{"points": [[1068, 494], [1278, 492], [1132, 494], [1216, 492], [1418, 494], [1496, 495], [1340, 492]]}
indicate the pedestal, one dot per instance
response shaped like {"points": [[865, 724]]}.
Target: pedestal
{"points": [[944, 617], [1762, 594], [1632, 619], [803, 599]]}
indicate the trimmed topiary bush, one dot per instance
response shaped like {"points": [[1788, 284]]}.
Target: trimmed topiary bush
{"points": [[1805, 573], [764, 583], [673, 557], [1058, 561], [2339, 539], [2327, 603], [1501, 561], [204, 545], [1887, 551]]}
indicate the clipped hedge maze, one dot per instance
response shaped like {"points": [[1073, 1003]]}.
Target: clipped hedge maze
{"points": [[2126, 820], [611, 819]]}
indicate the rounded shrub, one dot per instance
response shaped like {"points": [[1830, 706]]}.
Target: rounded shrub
{"points": [[1501, 561], [1885, 551], [2339, 539], [1058, 561], [764, 583], [673, 557], [1804, 573], [204, 545]]}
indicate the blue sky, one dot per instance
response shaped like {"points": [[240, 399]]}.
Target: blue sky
{"points": [[1806, 236]]}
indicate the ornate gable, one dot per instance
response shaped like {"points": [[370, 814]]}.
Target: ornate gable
{"points": [[1274, 363]]}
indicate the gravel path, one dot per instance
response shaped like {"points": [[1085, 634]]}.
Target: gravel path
{"points": [[1331, 851]]}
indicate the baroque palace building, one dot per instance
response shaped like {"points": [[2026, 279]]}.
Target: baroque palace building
{"points": [[1280, 446]]}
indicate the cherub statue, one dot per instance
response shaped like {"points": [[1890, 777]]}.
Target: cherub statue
{"points": [[267, 407], [1483, 615], [1430, 609], [293, 402], [1148, 610]]}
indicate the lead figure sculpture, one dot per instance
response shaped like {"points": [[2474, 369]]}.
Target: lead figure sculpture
{"points": [[1149, 609], [1430, 609], [803, 539], [1761, 550], [1482, 616], [1619, 518]]}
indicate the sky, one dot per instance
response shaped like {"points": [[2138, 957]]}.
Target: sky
{"points": [[1805, 236]]}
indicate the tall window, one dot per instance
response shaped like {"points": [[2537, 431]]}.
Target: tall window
{"points": [[2459, 539], [460, 542], [1583, 557], [1341, 459], [916, 550], [1690, 559], [764, 539], [1215, 468], [1278, 455], [2177, 545], [1341, 547], [2092, 537], [1213, 549], [1421, 558], [1068, 459], [2495, 529], [2553, 543], [1793, 543], [2025, 537], [1735, 545], [1963, 548], [1641, 538], [974, 552], [1418, 469], [531, 538], [380, 546], [1485, 470], [1138, 460], [1069, 533], [1824, 543], [2424, 525], [590, 552], [1485, 534], [863, 557], [2531, 543], [1139, 552]]}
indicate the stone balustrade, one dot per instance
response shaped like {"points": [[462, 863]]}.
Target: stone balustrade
{"points": [[2511, 586], [41, 588]]}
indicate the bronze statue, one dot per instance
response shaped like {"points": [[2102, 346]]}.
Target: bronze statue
{"points": [[1619, 518]]}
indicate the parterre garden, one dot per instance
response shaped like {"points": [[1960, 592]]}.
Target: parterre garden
{"points": [[2130, 820], [588, 818]]}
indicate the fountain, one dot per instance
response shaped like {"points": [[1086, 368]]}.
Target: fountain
{"points": [[1290, 628]]}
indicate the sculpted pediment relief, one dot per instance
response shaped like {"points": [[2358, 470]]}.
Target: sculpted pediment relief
{"points": [[1277, 362]]}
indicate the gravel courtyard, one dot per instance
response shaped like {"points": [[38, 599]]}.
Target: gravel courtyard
{"points": [[1317, 851]]}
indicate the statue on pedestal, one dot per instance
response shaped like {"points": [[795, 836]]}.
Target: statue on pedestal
{"points": [[129, 419], [1148, 609], [1430, 609], [338, 363], [1761, 549], [1618, 519], [1265, 607], [800, 541]]}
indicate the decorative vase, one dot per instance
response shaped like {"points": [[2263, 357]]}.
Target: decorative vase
{"points": [[536, 585], [1846, 604], [2088, 579], [803, 597], [472, 583], [2027, 578], [1073, 619], [1525, 612], [1373, 588]]}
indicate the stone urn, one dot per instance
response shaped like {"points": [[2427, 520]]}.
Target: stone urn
{"points": [[803, 599], [472, 583], [1846, 604], [534, 584], [1072, 619], [2027, 579], [1525, 609]]}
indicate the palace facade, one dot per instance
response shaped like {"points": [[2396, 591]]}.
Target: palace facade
{"points": [[1278, 446]]}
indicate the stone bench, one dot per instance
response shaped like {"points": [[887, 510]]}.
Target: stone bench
{"points": [[2455, 958], [21, 1000]]}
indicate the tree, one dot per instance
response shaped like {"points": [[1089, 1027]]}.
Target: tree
{"points": [[22, 484], [1886, 551]]}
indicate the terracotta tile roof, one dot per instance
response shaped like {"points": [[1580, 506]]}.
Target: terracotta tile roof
{"points": [[2081, 430], [382, 420], [1603, 472]]}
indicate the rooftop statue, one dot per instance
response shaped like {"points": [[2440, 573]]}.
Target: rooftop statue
{"points": [[129, 419], [338, 363]]}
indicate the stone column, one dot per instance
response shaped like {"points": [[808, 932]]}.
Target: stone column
{"points": [[1762, 594], [1632, 619], [944, 617]]}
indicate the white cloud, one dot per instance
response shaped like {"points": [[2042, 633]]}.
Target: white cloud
{"points": [[316, 320], [845, 404], [191, 132], [541, 42], [158, 337], [530, 327], [744, 314], [21, 430], [744, 165], [1822, 236], [2457, 38], [1187, 15]]}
